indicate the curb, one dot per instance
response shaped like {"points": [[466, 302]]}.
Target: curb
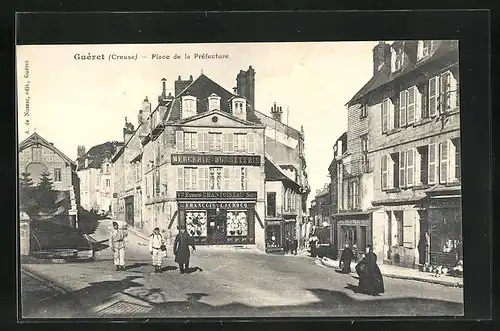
{"points": [[395, 276], [61, 289]]}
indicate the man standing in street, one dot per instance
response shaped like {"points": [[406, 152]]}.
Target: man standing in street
{"points": [[157, 249], [117, 245], [181, 249]]}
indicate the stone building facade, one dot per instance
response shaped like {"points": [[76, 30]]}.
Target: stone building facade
{"points": [[198, 160], [404, 126]]}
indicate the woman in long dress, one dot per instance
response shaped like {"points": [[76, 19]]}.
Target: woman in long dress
{"points": [[370, 277], [181, 249]]}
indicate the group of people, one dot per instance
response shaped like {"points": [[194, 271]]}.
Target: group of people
{"points": [[370, 278], [157, 248], [291, 245]]}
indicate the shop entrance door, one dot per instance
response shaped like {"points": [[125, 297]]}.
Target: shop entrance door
{"points": [[216, 230]]}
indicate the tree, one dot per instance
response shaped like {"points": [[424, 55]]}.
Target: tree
{"points": [[27, 201], [88, 220], [45, 195]]}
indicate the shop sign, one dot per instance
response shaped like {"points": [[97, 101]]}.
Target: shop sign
{"points": [[194, 159], [273, 222], [215, 205], [353, 222], [216, 195]]}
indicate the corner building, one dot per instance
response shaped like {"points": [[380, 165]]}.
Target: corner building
{"points": [[198, 160]]}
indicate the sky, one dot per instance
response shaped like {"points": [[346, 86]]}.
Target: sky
{"points": [[75, 102]]}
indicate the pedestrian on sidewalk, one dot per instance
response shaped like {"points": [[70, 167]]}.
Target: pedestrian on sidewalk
{"points": [[345, 259], [181, 249], [370, 277], [117, 245], [157, 248], [295, 246]]}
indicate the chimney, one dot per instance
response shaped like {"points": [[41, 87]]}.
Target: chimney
{"points": [[180, 85], [241, 84], [381, 53], [80, 151], [163, 87], [235, 90], [276, 112], [251, 86]]}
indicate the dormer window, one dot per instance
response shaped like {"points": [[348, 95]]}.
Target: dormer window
{"points": [[397, 59], [188, 106], [424, 49], [213, 102], [239, 106]]}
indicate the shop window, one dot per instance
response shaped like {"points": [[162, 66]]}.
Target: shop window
{"points": [[271, 204], [237, 224], [196, 223], [398, 215], [273, 236]]}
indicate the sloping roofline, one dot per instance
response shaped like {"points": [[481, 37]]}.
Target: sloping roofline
{"points": [[36, 138]]}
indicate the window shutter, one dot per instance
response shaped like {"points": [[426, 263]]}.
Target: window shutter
{"points": [[443, 161], [453, 92], [451, 163], [390, 172], [409, 228], [432, 172], [206, 142], [225, 142], [194, 141], [383, 106], [402, 169], [243, 143], [433, 96], [227, 179], [230, 142], [179, 141], [390, 110], [180, 179], [418, 104], [417, 163], [411, 105], [410, 167], [443, 95], [244, 179], [200, 142], [251, 143], [402, 108], [236, 142], [187, 141], [194, 179], [383, 172]]}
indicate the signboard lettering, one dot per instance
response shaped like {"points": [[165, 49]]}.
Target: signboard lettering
{"points": [[214, 205], [194, 159], [354, 222], [217, 195]]}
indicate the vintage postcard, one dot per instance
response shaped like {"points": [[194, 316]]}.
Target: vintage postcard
{"points": [[304, 179]]}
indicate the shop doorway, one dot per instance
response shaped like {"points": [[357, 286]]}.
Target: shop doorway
{"points": [[129, 210], [216, 229]]}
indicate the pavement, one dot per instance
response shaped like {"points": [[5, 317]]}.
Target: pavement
{"points": [[220, 283]]}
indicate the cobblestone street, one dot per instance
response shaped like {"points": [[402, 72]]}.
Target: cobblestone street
{"points": [[222, 283]]}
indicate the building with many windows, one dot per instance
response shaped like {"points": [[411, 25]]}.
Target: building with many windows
{"points": [[402, 167], [199, 160], [94, 171]]}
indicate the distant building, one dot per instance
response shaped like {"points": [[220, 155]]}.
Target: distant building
{"points": [[402, 168], [94, 171], [38, 155], [199, 160], [320, 206]]}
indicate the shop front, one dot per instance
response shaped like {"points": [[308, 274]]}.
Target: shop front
{"points": [[445, 230], [218, 218], [353, 229], [275, 236]]}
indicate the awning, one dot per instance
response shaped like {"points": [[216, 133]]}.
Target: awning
{"points": [[399, 201]]}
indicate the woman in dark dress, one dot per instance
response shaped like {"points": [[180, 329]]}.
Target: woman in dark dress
{"points": [[345, 259], [370, 277], [181, 249]]}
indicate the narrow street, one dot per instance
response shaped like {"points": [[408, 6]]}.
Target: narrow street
{"points": [[222, 283]]}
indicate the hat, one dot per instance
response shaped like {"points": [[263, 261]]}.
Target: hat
{"points": [[114, 223]]}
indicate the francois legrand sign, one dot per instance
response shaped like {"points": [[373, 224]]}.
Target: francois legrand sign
{"points": [[194, 159], [217, 195], [214, 205]]}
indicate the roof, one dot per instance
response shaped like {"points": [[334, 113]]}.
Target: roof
{"points": [[274, 173], [137, 158], [36, 139], [384, 75], [277, 125], [203, 87], [99, 153]]}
